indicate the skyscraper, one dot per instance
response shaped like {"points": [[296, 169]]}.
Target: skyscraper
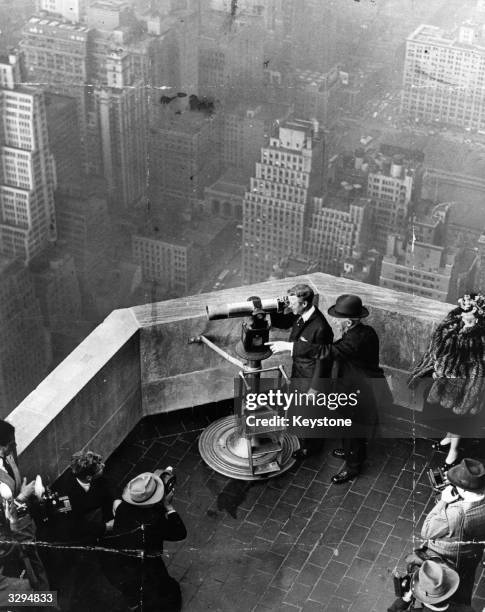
{"points": [[27, 179], [428, 270], [231, 56], [122, 116], [106, 66], [25, 349], [444, 75], [389, 188], [276, 208], [184, 154], [72, 10], [56, 56], [338, 226]]}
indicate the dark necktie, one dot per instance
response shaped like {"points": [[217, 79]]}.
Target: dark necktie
{"points": [[300, 322]]}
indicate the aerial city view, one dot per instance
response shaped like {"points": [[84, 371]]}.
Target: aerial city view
{"points": [[242, 305]]}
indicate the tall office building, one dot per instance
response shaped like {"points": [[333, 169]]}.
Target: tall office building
{"points": [[444, 75], [25, 349], [122, 121], [389, 188], [318, 95], [57, 288], [184, 154], [231, 56], [245, 130], [172, 262], [276, 208], [64, 139], [176, 62], [338, 226], [428, 270], [27, 169], [106, 66], [56, 56], [84, 227], [72, 10]]}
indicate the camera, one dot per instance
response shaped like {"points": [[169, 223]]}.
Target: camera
{"points": [[168, 477], [402, 583], [437, 478], [49, 503]]}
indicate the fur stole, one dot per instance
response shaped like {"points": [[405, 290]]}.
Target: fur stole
{"points": [[455, 358]]}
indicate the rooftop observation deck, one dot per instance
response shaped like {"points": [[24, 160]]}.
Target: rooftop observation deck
{"points": [[136, 391]]}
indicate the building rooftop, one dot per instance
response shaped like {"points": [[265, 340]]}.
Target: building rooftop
{"points": [[233, 181], [467, 215], [36, 25], [136, 391], [451, 39]]}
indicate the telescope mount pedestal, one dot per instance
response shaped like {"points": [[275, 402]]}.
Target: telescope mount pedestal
{"points": [[230, 449]]}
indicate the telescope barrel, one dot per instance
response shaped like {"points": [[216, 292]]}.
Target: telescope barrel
{"points": [[241, 309]]}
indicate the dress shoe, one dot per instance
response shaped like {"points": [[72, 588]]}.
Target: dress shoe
{"points": [[339, 453], [343, 477], [300, 454]]}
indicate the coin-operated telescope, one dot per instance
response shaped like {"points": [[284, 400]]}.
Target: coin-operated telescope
{"points": [[255, 331], [232, 445]]}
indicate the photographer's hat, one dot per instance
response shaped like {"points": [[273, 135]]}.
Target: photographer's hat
{"points": [[469, 474], [434, 582], [348, 307], [144, 490]]}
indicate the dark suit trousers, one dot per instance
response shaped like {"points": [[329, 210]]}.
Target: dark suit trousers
{"points": [[355, 453]]}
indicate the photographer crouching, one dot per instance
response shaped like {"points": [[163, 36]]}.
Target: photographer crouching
{"points": [[431, 587], [18, 553], [76, 514], [144, 518]]}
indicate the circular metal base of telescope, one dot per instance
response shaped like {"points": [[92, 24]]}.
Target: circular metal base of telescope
{"points": [[252, 356], [226, 452]]}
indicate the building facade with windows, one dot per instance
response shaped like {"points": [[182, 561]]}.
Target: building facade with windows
{"points": [[444, 76], [276, 207], [27, 169]]}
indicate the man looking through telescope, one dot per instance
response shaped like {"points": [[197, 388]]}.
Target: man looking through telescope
{"points": [[310, 331]]}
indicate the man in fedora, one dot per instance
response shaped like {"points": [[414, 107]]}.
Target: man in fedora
{"points": [[455, 527], [433, 585], [309, 332], [353, 361], [143, 520]]}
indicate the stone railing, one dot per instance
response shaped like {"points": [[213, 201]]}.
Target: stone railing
{"points": [[139, 362]]}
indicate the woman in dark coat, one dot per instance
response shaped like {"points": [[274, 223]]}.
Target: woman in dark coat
{"points": [[353, 363], [143, 520], [455, 359]]}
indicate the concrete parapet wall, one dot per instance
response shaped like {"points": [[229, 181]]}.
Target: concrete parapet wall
{"points": [[138, 362]]}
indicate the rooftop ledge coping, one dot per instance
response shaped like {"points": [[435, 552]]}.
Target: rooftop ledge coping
{"points": [[404, 323]]}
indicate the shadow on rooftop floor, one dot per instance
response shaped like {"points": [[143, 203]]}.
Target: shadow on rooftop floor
{"points": [[290, 543]]}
